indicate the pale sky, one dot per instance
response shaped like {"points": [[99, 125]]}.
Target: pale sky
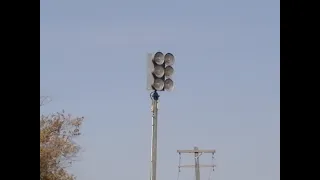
{"points": [[227, 95]]}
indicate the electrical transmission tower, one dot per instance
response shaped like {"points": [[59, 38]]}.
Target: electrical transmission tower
{"points": [[197, 153]]}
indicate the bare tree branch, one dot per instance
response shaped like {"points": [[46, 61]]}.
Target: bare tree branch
{"points": [[44, 100]]}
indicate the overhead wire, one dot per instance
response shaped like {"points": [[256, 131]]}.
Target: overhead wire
{"points": [[179, 169], [210, 174]]}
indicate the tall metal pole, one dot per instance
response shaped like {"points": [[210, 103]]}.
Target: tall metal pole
{"points": [[196, 163], [155, 98]]}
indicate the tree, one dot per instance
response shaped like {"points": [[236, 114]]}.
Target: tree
{"points": [[57, 148]]}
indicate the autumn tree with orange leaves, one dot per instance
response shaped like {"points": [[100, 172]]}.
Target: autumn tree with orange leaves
{"points": [[57, 148]]}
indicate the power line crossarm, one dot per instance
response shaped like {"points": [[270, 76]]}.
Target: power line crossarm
{"points": [[193, 166], [197, 151]]}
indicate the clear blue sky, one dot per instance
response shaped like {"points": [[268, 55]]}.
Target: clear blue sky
{"points": [[227, 94]]}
